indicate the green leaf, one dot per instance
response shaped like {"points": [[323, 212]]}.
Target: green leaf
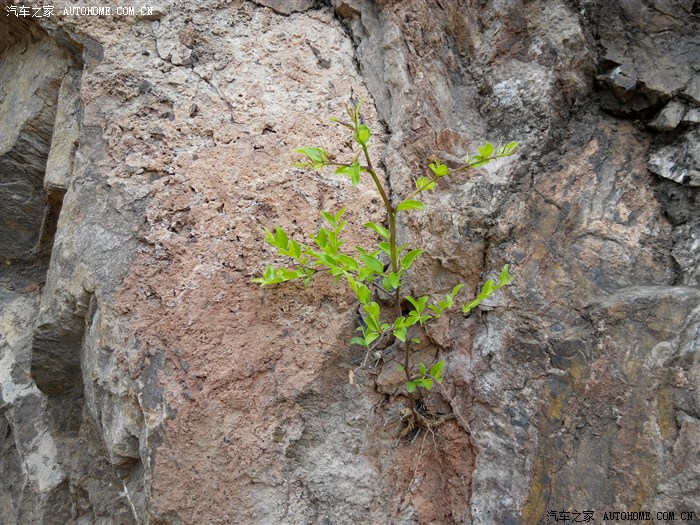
{"points": [[317, 156], [348, 261], [488, 289], [372, 310], [340, 213], [410, 386], [415, 340], [362, 134], [381, 230], [438, 168], [329, 217], [425, 184], [423, 370], [353, 171], [370, 337], [436, 310], [400, 368], [413, 302], [470, 306], [418, 304], [364, 274], [326, 259], [372, 324], [436, 369], [505, 278], [363, 293], [412, 318], [456, 289], [291, 274], [410, 205], [508, 149], [270, 237], [386, 284], [358, 341], [385, 247], [426, 383], [400, 322], [270, 276], [372, 262], [486, 150], [281, 239], [394, 280], [408, 259], [321, 238], [476, 161], [400, 334]]}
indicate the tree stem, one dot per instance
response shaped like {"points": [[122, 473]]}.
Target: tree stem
{"points": [[391, 212]]}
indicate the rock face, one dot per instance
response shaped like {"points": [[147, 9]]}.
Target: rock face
{"points": [[145, 379]]}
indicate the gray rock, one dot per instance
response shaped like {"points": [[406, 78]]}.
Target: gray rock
{"points": [[669, 117], [64, 142], [692, 91], [686, 251], [638, 79], [31, 74], [692, 117], [287, 7], [679, 161], [152, 11]]}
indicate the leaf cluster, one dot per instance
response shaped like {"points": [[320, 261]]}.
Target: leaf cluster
{"points": [[379, 271], [424, 378]]}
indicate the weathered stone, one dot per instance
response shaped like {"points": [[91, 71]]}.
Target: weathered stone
{"points": [[163, 387], [692, 91], [287, 7], [681, 203], [623, 408], [180, 55], [152, 10], [686, 251], [25, 409], [669, 117], [638, 79], [64, 142], [59, 474], [31, 74], [680, 160], [692, 117]]}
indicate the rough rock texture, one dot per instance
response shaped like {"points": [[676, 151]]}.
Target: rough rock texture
{"points": [[32, 69], [145, 379]]}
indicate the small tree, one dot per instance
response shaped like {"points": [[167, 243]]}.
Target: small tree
{"points": [[381, 270]]}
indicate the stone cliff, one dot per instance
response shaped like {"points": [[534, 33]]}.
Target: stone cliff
{"points": [[145, 380]]}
